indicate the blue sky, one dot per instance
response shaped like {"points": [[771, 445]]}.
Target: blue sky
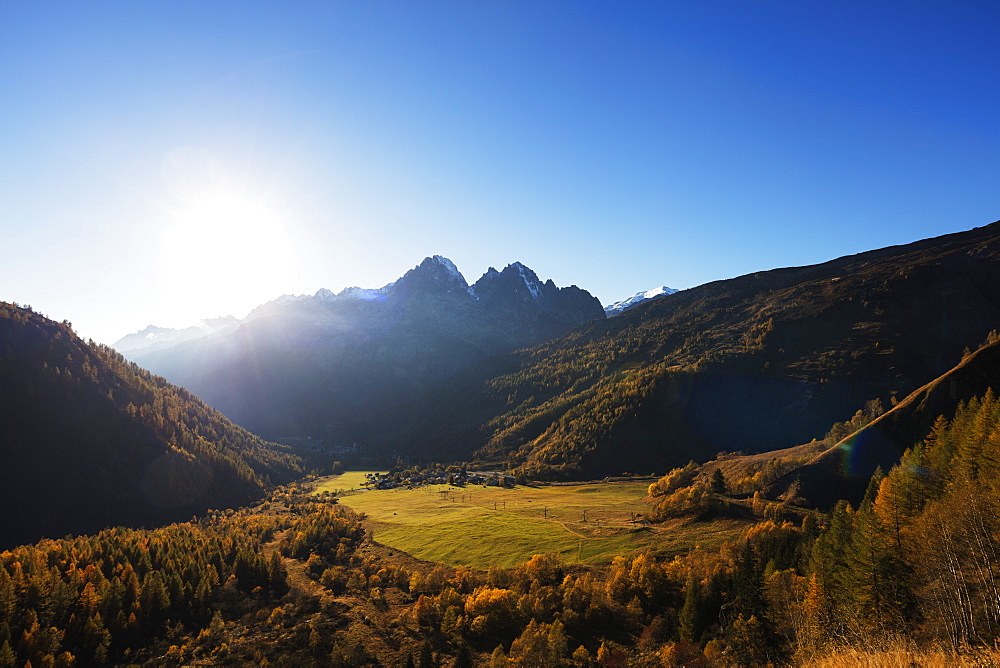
{"points": [[162, 162]]}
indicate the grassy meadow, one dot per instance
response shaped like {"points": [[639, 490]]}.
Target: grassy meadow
{"points": [[481, 526]]}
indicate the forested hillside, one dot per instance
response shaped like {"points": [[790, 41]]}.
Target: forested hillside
{"points": [[909, 575], [913, 566], [755, 363], [126, 596], [919, 555], [89, 440]]}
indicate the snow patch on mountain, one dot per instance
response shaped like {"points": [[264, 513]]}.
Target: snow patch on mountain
{"points": [[363, 294], [327, 296], [530, 280], [153, 337], [290, 299], [450, 268], [435, 275], [637, 298]]}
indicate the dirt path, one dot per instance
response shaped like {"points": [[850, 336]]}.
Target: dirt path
{"points": [[298, 580]]}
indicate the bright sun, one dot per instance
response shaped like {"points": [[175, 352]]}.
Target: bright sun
{"points": [[224, 252]]}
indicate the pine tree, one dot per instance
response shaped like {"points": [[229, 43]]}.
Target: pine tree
{"points": [[426, 658], [463, 658], [747, 583], [690, 616], [813, 634], [558, 642], [829, 558], [498, 659], [701, 608], [748, 642], [938, 450], [7, 657], [867, 554], [859, 562], [718, 484]]}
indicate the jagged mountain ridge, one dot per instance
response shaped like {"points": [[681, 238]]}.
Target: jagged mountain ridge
{"points": [[337, 365], [759, 362], [89, 440], [516, 292]]}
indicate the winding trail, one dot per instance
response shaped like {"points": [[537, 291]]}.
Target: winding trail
{"points": [[298, 580]]}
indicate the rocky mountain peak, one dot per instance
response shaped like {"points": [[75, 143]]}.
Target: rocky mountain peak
{"points": [[374, 347], [435, 275], [527, 277]]}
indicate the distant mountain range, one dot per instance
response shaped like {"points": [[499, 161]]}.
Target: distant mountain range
{"points": [[154, 338], [517, 371], [636, 299], [348, 366]]}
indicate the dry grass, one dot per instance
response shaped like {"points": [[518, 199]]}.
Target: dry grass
{"points": [[904, 655]]}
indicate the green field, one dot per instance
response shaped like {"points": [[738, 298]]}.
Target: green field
{"points": [[347, 481], [480, 526]]}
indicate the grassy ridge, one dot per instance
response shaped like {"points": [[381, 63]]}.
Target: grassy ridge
{"points": [[483, 526]]}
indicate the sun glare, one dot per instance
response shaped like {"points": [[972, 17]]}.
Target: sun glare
{"points": [[224, 251]]}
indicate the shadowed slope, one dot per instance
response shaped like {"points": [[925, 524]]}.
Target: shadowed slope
{"points": [[89, 440], [843, 471], [349, 367]]}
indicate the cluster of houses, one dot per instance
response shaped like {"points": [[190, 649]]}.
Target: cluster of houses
{"points": [[412, 478]]}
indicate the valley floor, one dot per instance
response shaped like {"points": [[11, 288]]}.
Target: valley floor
{"points": [[480, 526]]}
